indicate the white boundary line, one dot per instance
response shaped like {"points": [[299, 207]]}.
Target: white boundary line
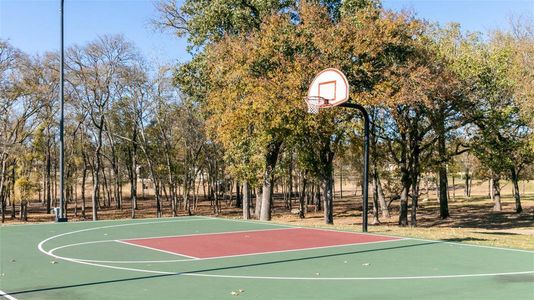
{"points": [[156, 249], [40, 247], [7, 296], [191, 218], [455, 276]]}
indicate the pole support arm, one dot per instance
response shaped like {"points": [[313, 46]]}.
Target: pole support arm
{"points": [[365, 196]]}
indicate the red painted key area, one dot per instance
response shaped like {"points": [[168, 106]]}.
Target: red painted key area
{"points": [[254, 242]]}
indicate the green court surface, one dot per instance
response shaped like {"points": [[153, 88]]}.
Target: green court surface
{"points": [[92, 260]]}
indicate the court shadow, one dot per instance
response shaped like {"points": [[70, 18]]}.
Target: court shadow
{"points": [[497, 232], [205, 270], [459, 240]]}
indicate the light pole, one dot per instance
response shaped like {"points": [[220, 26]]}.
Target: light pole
{"points": [[62, 213], [365, 193]]}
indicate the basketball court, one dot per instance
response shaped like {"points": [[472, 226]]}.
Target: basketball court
{"points": [[216, 258]]}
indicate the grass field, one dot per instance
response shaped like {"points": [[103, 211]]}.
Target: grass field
{"points": [[111, 260]]}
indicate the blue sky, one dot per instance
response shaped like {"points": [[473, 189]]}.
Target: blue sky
{"points": [[33, 25]]}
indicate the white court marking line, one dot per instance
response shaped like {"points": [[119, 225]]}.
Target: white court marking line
{"points": [[83, 243], [384, 235], [6, 295], [41, 224], [274, 277], [227, 256], [301, 278], [156, 249]]}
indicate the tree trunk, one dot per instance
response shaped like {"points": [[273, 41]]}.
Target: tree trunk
{"points": [[414, 177], [187, 202], [3, 205], [106, 193], [157, 195], [116, 172], [328, 200], [84, 179], [517, 196], [467, 191], [496, 193], [170, 181], [265, 212], [94, 197], [96, 173], [270, 163], [490, 188], [317, 197], [257, 207], [290, 180], [415, 198], [443, 200], [246, 201], [238, 196], [403, 213], [382, 199], [453, 189], [375, 198], [2, 190], [341, 183], [302, 198], [13, 180]]}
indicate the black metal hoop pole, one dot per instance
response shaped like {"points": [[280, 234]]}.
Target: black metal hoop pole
{"points": [[62, 217], [365, 161]]}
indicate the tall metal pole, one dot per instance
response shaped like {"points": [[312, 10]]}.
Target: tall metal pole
{"points": [[365, 161], [62, 214]]}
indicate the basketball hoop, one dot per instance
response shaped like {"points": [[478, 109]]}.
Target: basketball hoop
{"points": [[329, 88], [315, 103]]}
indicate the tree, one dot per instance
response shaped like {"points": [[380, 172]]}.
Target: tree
{"points": [[95, 74], [17, 109], [500, 136], [205, 22], [521, 41], [448, 101]]}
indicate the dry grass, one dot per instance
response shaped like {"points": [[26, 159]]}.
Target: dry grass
{"points": [[472, 221], [521, 238]]}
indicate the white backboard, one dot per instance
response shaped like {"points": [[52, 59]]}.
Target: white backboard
{"points": [[330, 84]]}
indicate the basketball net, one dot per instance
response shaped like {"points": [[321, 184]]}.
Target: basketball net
{"points": [[315, 103]]}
